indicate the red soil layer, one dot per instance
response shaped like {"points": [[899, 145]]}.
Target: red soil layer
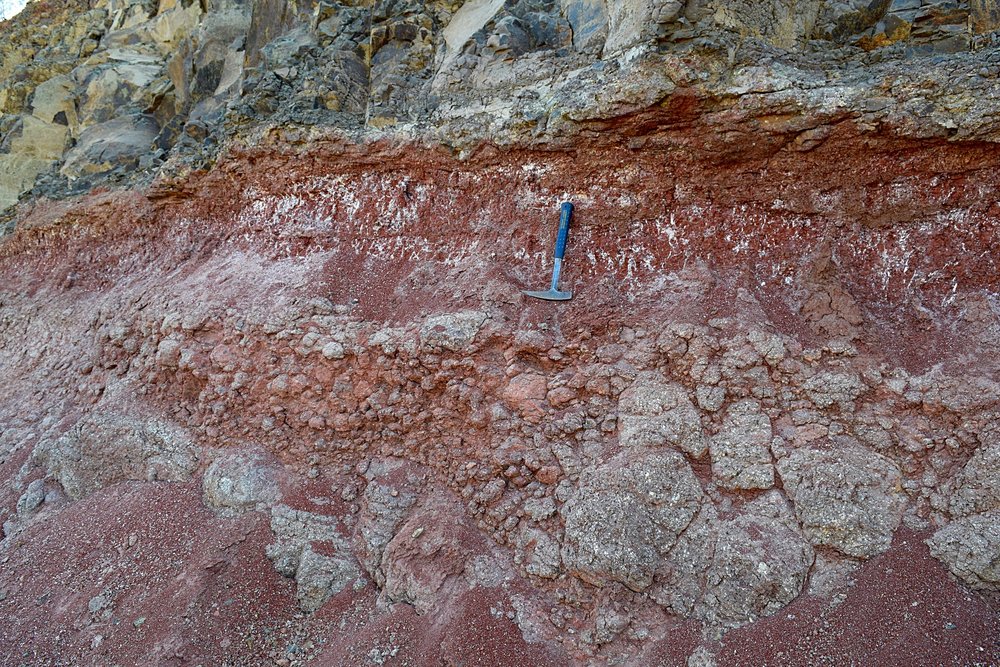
{"points": [[189, 588], [901, 226], [183, 586], [903, 609]]}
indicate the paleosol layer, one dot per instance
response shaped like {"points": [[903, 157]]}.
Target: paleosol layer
{"points": [[757, 388]]}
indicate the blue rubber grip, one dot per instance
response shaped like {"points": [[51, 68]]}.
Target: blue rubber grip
{"points": [[567, 211]]}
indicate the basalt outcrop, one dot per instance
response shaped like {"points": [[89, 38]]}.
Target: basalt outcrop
{"points": [[272, 393]]}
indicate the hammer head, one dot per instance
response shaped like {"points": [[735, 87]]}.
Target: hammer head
{"points": [[551, 295]]}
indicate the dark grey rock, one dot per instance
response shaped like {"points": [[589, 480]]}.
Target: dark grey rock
{"points": [[114, 144], [589, 20]]}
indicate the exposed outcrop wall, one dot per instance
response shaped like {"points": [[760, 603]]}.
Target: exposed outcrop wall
{"points": [[120, 90], [268, 368]]}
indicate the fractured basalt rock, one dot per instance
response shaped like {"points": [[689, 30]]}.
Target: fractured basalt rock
{"points": [[102, 449], [204, 74], [848, 499], [236, 483], [385, 505], [976, 488], [759, 564], [424, 559], [741, 451], [654, 413], [626, 516], [970, 547], [313, 550]]}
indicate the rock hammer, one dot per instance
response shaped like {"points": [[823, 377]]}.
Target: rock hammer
{"points": [[553, 293]]}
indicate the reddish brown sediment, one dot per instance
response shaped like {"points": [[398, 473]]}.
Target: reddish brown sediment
{"points": [[192, 303], [902, 608], [901, 218], [271, 392]]}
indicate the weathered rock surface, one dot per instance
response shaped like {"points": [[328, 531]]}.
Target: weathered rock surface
{"points": [[103, 449], [270, 392], [971, 548], [846, 499], [236, 483], [976, 488], [318, 575], [654, 413], [759, 564], [626, 516], [741, 452]]}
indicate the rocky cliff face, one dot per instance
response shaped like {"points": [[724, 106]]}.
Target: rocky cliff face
{"points": [[272, 394]]}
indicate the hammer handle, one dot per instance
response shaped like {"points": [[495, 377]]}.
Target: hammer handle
{"points": [[567, 212]]}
